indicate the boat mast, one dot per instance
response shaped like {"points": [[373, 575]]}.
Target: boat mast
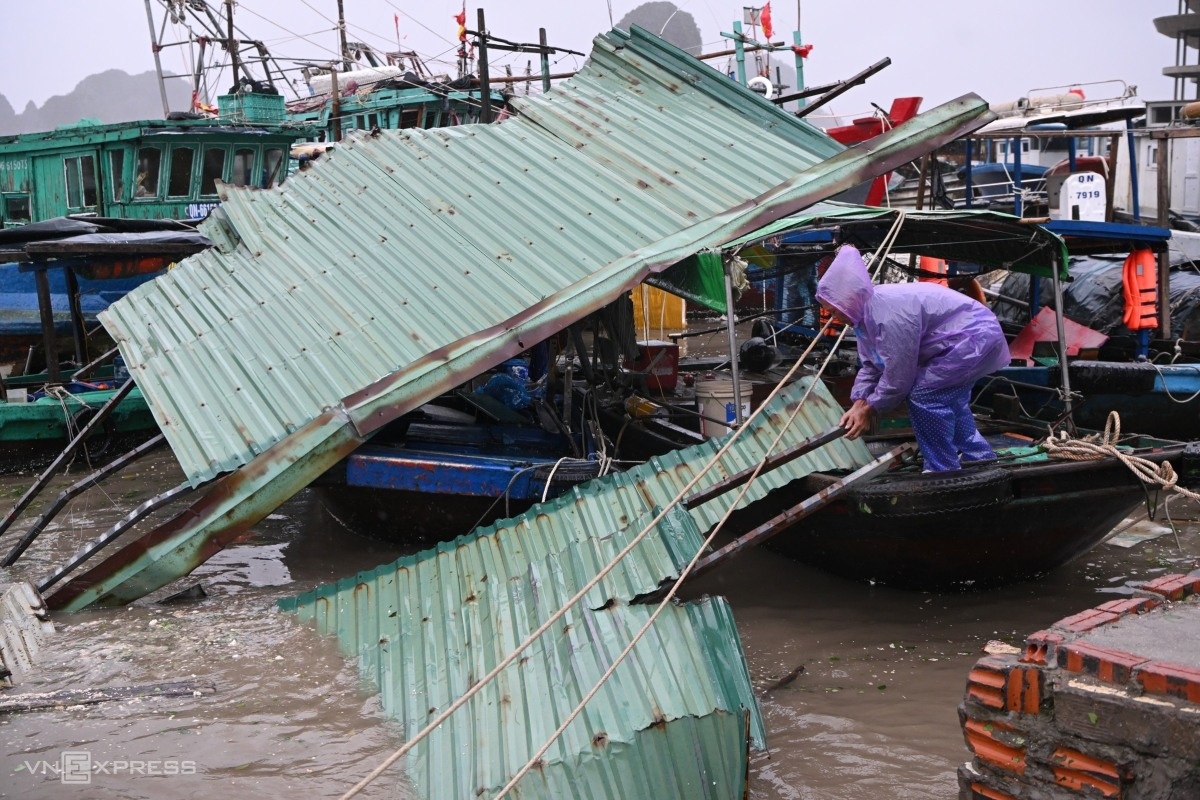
{"points": [[154, 47], [342, 38], [232, 43]]}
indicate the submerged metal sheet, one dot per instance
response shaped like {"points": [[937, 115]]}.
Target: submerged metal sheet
{"points": [[427, 627], [413, 254]]}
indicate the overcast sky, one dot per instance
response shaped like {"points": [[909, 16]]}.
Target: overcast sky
{"points": [[939, 48]]}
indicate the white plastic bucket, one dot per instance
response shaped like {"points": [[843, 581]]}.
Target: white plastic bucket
{"points": [[715, 402]]}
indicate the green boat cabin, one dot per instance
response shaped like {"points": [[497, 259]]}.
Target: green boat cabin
{"points": [[150, 169]]}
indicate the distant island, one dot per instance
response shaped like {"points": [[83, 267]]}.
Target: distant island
{"points": [[110, 96]]}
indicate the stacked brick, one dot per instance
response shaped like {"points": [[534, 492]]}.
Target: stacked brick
{"points": [[1073, 716]]}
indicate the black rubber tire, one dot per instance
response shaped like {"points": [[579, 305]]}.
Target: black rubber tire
{"points": [[933, 493], [98, 445], [1111, 377], [571, 472]]}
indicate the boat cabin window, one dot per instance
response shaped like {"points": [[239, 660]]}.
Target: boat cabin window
{"points": [[81, 181], [214, 170], [273, 167], [16, 208], [243, 167], [148, 164], [410, 118], [116, 175], [181, 172]]}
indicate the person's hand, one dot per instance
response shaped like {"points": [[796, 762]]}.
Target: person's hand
{"points": [[857, 419]]}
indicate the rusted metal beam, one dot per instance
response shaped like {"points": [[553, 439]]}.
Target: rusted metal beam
{"points": [[109, 536], [769, 463], [66, 455], [74, 491], [782, 522], [228, 509]]}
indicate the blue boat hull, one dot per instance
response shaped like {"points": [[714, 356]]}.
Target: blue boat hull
{"points": [[19, 314]]}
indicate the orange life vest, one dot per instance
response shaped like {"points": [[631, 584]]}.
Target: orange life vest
{"points": [[1139, 278]]}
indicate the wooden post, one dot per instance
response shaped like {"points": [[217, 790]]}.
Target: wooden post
{"points": [[46, 309], [78, 332], [1162, 164], [545, 56], [921, 182], [485, 84], [335, 108], [1110, 191]]}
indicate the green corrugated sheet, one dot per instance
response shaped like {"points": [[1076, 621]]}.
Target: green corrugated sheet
{"points": [[410, 262], [671, 723]]}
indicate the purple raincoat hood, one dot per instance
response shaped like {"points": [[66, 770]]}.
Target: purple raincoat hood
{"points": [[846, 285]]}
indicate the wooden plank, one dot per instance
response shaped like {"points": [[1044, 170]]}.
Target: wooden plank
{"points": [[782, 522], [42, 701], [769, 463]]}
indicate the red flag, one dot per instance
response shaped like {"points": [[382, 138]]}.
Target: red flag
{"points": [[765, 19], [461, 19]]}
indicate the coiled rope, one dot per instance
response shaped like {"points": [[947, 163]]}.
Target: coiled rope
{"points": [[1104, 445]]}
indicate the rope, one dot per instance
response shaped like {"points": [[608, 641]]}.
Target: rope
{"points": [[1167, 391], [1104, 445], [611, 565]]}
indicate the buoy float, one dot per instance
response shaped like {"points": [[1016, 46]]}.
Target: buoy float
{"points": [[761, 85]]}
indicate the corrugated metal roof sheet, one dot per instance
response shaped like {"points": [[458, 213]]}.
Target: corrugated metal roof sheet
{"points": [[427, 627], [384, 277], [413, 255]]}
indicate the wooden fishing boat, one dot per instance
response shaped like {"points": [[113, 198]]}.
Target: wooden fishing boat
{"points": [[450, 466], [988, 525]]}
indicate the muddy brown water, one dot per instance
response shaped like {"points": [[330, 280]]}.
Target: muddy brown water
{"points": [[871, 714]]}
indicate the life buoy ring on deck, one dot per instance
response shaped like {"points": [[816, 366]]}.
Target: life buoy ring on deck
{"points": [[763, 86]]}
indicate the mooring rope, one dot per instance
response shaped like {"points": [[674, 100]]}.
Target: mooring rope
{"points": [[1104, 445], [611, 565]]}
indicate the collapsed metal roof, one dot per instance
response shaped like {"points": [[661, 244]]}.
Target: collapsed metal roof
{"points": [[427, 627], [411, 250], [412, 260]]}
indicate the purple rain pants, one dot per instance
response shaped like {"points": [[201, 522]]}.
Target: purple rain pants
{"points": [[945, 428]]}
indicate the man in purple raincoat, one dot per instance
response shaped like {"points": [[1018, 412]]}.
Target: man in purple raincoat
{"points": [[919, 342]]}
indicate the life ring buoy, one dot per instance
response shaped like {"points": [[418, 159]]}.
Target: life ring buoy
{"points": [[763, 86]]}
